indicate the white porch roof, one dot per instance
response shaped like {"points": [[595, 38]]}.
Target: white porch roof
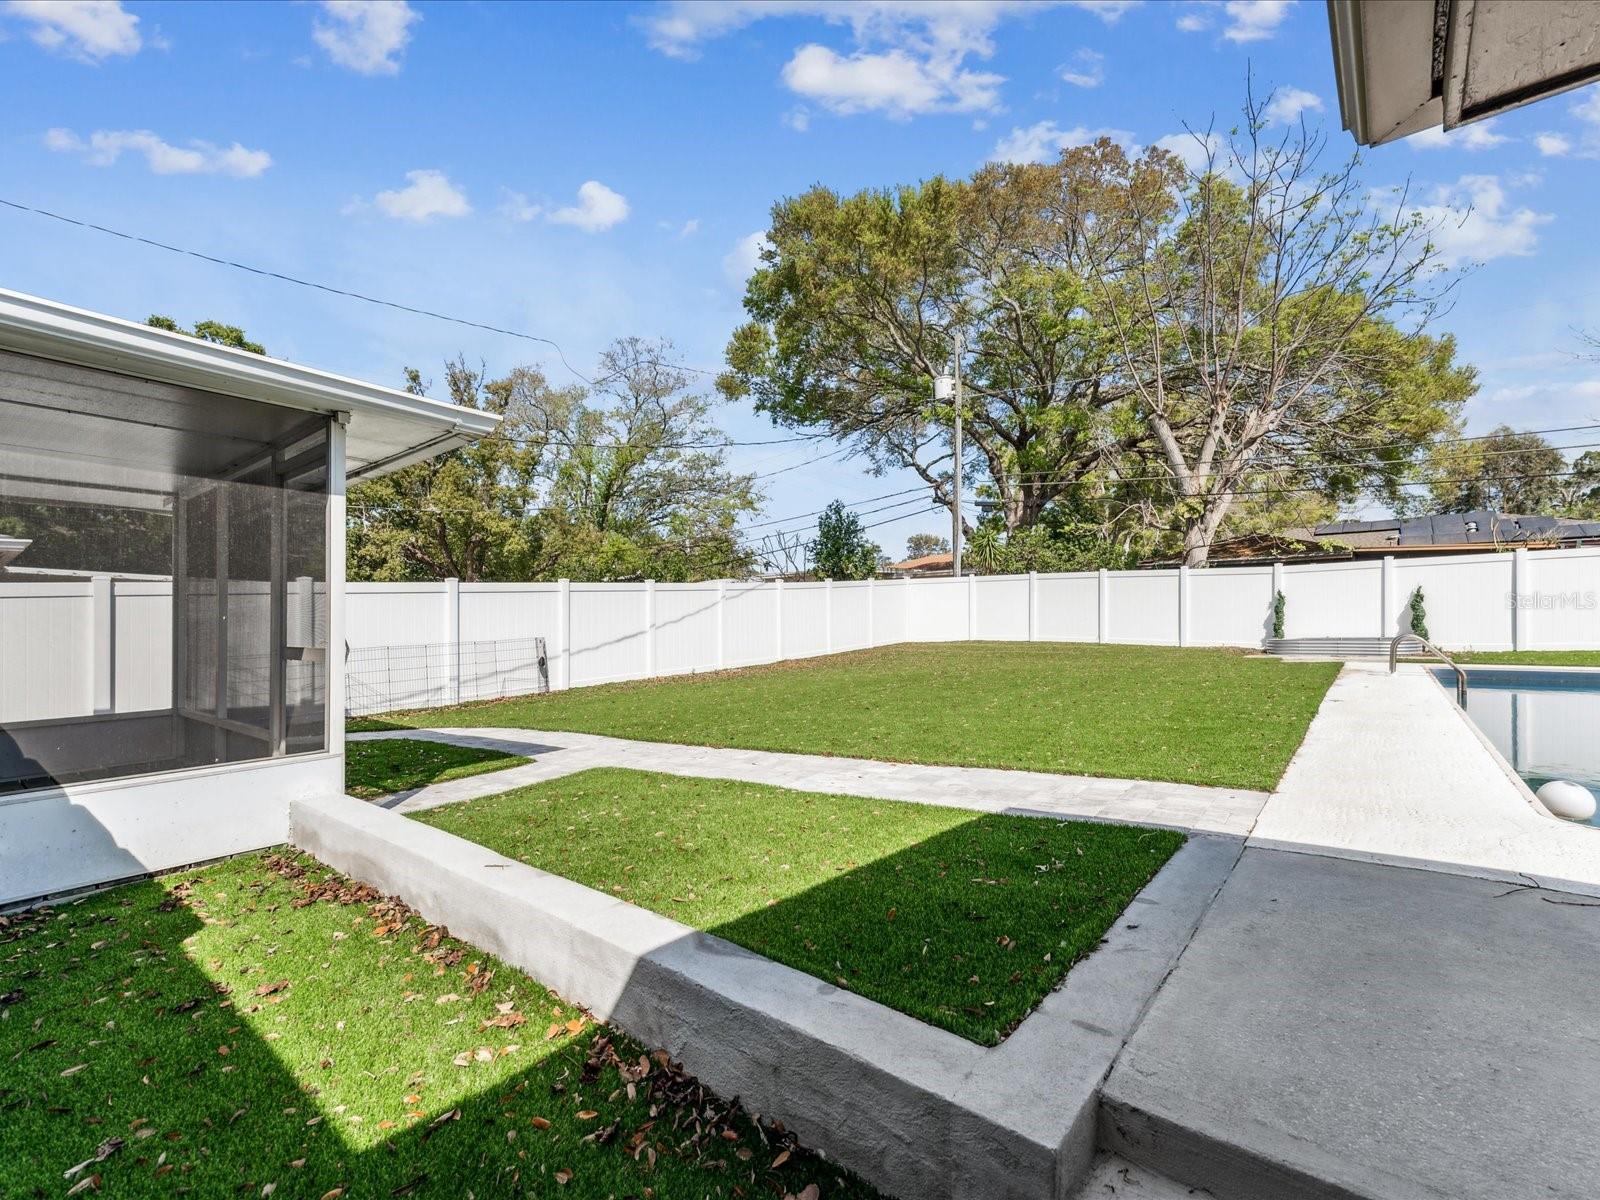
{"points": [[388, 428]]}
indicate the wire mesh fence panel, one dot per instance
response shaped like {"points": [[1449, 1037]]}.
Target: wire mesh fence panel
{"points": [[389, 678]]}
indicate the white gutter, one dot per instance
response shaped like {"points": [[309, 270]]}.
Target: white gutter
{"points": [[46, 329]]}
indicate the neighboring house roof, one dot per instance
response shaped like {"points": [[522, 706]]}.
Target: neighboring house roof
{"points": [[1481, 527], [923, 563], [388, 428], [1436, 534]]}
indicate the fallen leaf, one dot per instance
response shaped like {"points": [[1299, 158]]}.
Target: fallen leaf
{"points": [[587, 1114], [563, 1177], [73, 1070]]}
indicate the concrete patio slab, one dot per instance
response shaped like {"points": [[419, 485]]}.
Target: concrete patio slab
{"points": [[1175, 805], [1344, 1029], [917, 1111], [1392, 771]]}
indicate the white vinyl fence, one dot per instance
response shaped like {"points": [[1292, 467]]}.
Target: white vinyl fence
{"points": [[96, 645]]}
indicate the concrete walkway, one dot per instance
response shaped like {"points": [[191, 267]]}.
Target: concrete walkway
{"points": [[1344, 1029], [1176, 805], [1391, 771]]}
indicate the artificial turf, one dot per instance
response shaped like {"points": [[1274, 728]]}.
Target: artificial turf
{"points": [[385, 765], [962, 920], [264, 1027], [1201, 716], [1531, 658]]}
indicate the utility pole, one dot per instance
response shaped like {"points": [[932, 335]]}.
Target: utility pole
{"points": [[955, 507]]}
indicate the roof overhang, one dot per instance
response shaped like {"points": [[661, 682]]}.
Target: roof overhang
{"points": [[1407, 65], [386, 429]]}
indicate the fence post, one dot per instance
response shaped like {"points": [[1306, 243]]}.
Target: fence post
{"points": [[1183, 606], [564, 628], [1277, 586], [1033, 606], [872, 610], [649, 628], [1102, 606], [722, 616], [1520, 564], [103, 664], [972, 607], [827, 616], [1386, 591], [777, 620], [452, 639]]}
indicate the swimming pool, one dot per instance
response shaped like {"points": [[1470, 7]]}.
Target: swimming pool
{"points": [[1545, 723]]}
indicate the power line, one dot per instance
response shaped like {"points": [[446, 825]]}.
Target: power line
{"points": [[321, 287]]}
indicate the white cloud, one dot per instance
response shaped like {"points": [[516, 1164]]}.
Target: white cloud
{"points": [[1289, 104], [1043, 141], [740, 262], [1088, 69], [427, 194], [680, 28], [799, 120], [910, 56], [1552, 145], [1253, 20], [368, 36], [1478, 136], [1195, 21], [690, 227], [104, 146], [1470, 221], [598, 208], [517, 207], [1588, 109], [895, 83], [1197, 151], [88, 30]]}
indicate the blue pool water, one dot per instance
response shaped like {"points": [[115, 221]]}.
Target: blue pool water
{"points": [[1545, 723]]}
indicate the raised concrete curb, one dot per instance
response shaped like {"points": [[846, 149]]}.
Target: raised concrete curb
{"points": [[915, 1110]]}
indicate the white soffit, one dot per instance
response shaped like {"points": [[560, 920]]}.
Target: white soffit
{"points": [[1407, 65], [388, 428]]}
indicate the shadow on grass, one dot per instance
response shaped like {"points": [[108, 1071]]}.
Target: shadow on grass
{"points": [[968, 929], [130, 1059]]}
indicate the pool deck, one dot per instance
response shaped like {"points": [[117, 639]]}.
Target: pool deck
{"points": [[1392, 772]]}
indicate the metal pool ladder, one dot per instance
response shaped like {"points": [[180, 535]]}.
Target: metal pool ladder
{"points": [[1461, 676]]}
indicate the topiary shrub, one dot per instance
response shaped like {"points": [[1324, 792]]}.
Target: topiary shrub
{"points": [[1419, 615], [1279, 602]]}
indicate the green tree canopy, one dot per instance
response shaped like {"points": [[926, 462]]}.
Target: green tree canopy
{"points": [[1505, 471], [209, 331], [1150, 340], [841, 549], [623, 480]]}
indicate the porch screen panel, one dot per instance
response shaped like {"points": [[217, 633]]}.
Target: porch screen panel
{"points": [[213, 509]]}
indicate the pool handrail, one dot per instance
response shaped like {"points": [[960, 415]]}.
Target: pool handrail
{"points": [[1394, 661]]}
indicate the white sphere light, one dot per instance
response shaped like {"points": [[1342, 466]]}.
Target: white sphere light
{"points": [[1568, 800]]}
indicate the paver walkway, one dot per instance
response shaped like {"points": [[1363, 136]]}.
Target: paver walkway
{"points": [[1176, 805]]}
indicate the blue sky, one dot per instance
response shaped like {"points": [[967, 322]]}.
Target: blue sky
{"points": [[582, 172]]}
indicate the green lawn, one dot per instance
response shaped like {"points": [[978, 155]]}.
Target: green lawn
{"points": [[385, 765], [1530, 658], [1141, 712], [961, 920], [266, 1028]]}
